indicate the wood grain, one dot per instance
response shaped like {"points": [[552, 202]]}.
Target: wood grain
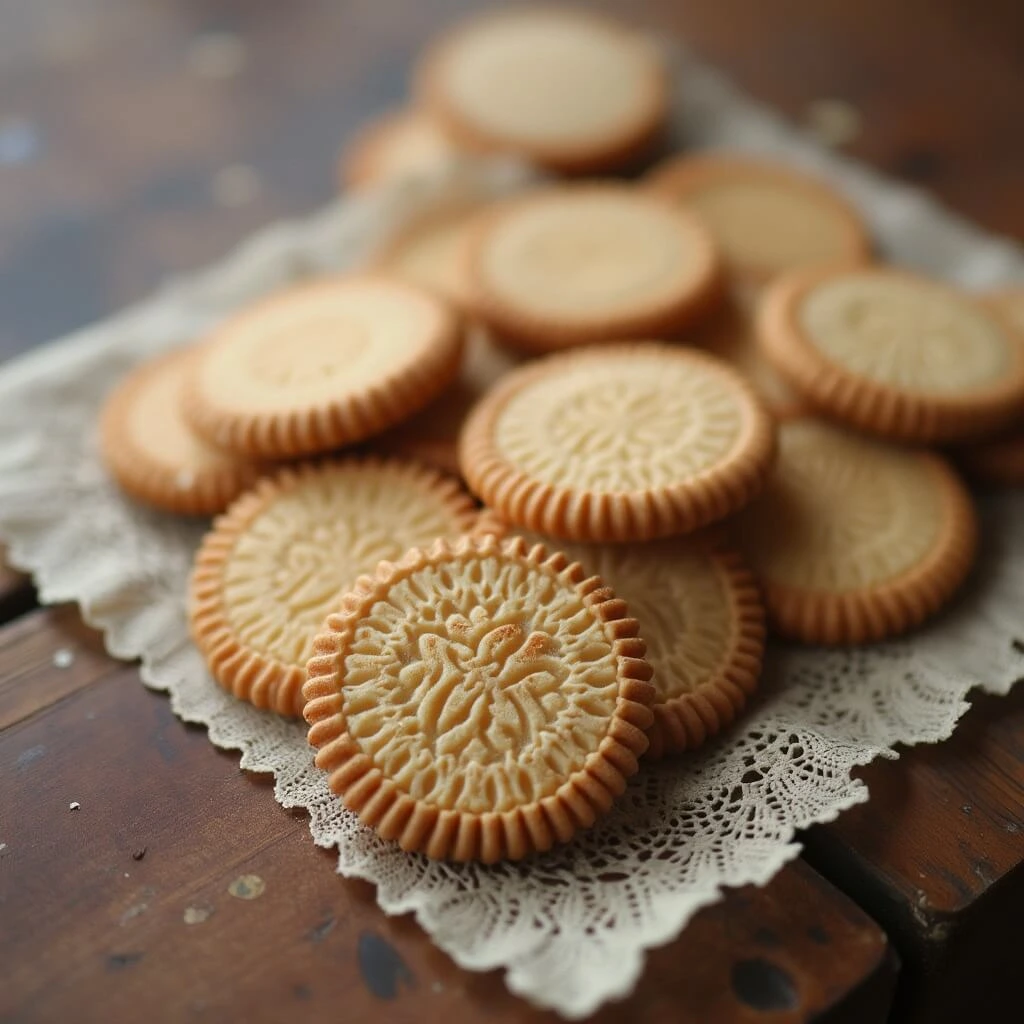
{"points": [[97, 903]]}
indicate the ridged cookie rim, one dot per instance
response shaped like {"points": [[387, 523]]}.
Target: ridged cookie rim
{"points": [[535, 333], [314, 429], [147, 480], [459, 835], [264, 681], [687, 721], [617, 150], [571, 514], [883, 410]]}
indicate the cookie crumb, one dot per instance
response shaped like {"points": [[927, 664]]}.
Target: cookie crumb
{"points": [[833, 122], [247, 887], [74, 805], [139, 854], [197, 915], [63, 658]]}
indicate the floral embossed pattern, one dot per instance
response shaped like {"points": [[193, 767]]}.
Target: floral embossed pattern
{"points": [[621, 425], [474, 701]]}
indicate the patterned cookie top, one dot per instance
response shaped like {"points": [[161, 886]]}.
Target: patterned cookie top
{"points": [[767, 218], [569, 90], [321, 365], [702, 620], [400, 145], [855, 539], [284, 555], [574, 264], [477, 681], [155, 455], [627, 442], [894, 353]]}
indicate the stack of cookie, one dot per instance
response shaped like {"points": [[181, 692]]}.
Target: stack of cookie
{"points": [[684, 406]]}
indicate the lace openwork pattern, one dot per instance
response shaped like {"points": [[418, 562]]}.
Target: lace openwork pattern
{"points": [[570, 927]]}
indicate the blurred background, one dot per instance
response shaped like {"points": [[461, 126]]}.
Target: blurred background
{"points": [[143, 139]]}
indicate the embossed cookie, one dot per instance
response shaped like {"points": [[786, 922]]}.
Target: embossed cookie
{"points": [[478, 700], [574, 264], [433, 251], [855, 540], [432, 435], [702, 619], [284, 554], [1000, 460], [570, 91], [400, 145], [322, 365], [893, 353], [155, 456], [625, 442], [767, 218], [731, 334]]}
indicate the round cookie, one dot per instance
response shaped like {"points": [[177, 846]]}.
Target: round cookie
{"points": [[731, 334], [702, 620], [400, 145], [893, 353], [621, 443], [155, 456], [570, 91], [1000, 460], [433, 250], [854, 540], [479, 700], [322, 365], [432, 435], [284, 554], [575, 264], [767, 218]]}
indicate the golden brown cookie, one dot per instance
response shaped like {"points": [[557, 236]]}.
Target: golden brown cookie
{"points": [[767, 218], [400, 145], [1000, 460], [702, 619], [731, 334], [893, 353], [855, 540], [479, 700], [574, 264], [321, 365], [432, 435], [155, 456], [568, 90], [621, 443], [432, 250], [284, 554]]}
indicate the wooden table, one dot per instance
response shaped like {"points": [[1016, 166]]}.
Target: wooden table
{"points": [[142, 140]]}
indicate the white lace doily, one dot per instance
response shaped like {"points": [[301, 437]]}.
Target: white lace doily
{"points": [[570, 928]]}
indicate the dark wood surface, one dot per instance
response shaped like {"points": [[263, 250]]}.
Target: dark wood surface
{"points": [[114, 143]]}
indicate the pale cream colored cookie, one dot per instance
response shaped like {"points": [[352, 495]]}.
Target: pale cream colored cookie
{"points": [[398, 146], [322, 365], [893, 353], [155, 456], [766, 217], [283, 555], [855, 540], [478, 700], [433, 251], [619, 443], [573, 264], [701, 617], [566, 89]]}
